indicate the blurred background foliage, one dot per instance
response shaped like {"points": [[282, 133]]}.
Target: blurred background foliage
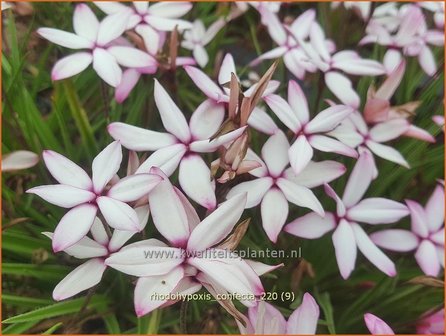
{"points": [[70, 117]]}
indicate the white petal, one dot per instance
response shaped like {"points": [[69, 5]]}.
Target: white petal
{"points": [[170, 9], [106, 165], [106, 67], [418, 218], [435, 209], [98, 232], [311, 225], [85, 248], [330, 145], [118, 215], [316, 173], [200, 55], [427, 258], [71, 65], [206, 119], [167, 159], [85, 23], [195, 179], [133, 187], [298, 102], [206, 146], [255, 190], [275, 153], [217, 226], [73, 226], [283, 111], [66, 171], [345, 248], [166, 24], [63, 195], [341, 87], [395, 240], [131, 57], [387, 152], [227, 67], [303, 321], [362, 67], [130, 78], [377, 211], [300, 154], [83, 277], [65, 39], [204, 83], [274, 210], [262, 122], [300, 195], [427, 61], [328, 119], [17, 160], [389, 130], [112, 27]]}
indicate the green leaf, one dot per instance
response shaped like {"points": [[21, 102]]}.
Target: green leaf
{"points": [[324, 302], [52, 329]]}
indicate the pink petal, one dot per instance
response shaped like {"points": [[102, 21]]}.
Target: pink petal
{"points": [[298, 102], [299, 195], [341, 87], [112, 27], [149, 291], [435, 209], [227, 67], [149, 257], [106, 67], [217, 226], [300, 154], [389, 130], [128, 81], [168, 212], [71, 65], [311, 225], [316, 173], [303, 320], [105, 165], [62, 195], [373, 253], [167, 159], [360, 178], [255, 190], [283, 111], [139, 139], [65, 39], [427, 258], [387, 152], [419, 133], [419, 219], [377, 326], [327, 144], [388, 88], [377, 210], [204, 83], [66, 171], [262, 122], [345, 248], [170, 9], [17, 160], [328, 119], [274, 210], [118, 215], [275, 153], [83, 277], [171, 116], [132, 58], [73, 226], [133, 187], [195, 179], [85, 23], [395, 240], [206, 119]]}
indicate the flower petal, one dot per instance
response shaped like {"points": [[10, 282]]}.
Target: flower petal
{"points": [[85, 248], [298, 102], [300, 195], [106, 165], [65, 39], [419, 220], [83, 277], [139, 139], [275, 153], [327, 144], [341, 87], [209, 146], [389, 130], [118, 215], [395, 240], [311, 225], [71, 65], [17, 160], [62, 195], [274, 210], [128, 81], [303, 321], [328, 119], [359, 66], [166, 24], [206, 119], [73, 226], [435, 209], [427, 258], [387, 152], [373, 253], [167, 159], [377, 210], [195, 179], [200, 54], [133, 187], [300, 154], [255, 190], [284, 112], [204, 83], [345, 248], [217, 226], [66, 171], [85, 23], [170, 9], [262, 122], [132, 57], [227, 67], [106, 67], [112, 27], [377, 326], [316, 173]]}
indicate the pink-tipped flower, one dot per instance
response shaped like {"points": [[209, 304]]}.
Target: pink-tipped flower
{"points": [[275, 185], [150, 22], [348, 235], [439, 120], [192, 256], [219, 93], [431, 323], [265, 319], [377, 326], [310, 134], [96, 249], [198, 37], [19, 160], [182, 145], [426, 235], [85, 195], [96, 37]]}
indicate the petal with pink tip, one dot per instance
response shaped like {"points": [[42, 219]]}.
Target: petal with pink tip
{"points": [[298, 102], [299, 195], [85, 248], [118, 215], [195, 179], [435, 209], [427, 258], [66, 171], [275, 153], [395, 240], [112, 27], [274, 210], [204, 83], [377, 326], [419, 220], [300, 154], [139, 139], [328, 119], [20, 159], [171, 116], [387, 152], [340, 206], [217, 226], [71, 65], [262, 122], [342, 88], [73, 226], [389, 130], [311, 225], [206, 119], [316, 173], [345, 248], [128, 81], [62, 195], [83, 277], [372, 252], [65, 39], [284, 112], [149, 291], [106, 165], [377, 210], [106, 67], [133, 187], [85, 23], [303, 320], [167, 159], [330, 145], [255, 190], [266, 319], [227, 67], [209, 146]]}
